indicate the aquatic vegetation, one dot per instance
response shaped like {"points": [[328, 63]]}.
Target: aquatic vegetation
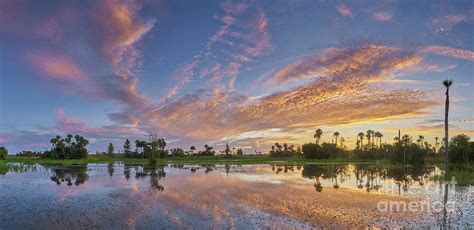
{"points": [[6, 167]]}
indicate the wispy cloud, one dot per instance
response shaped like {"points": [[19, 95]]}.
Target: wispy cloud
{"points": [[382, 16], [57, 66], [449, 52], [65, 124], [119, 28], [242, 36], [433, 130], [4, 139], [446, 23], [365, 62], [344, 10], [114, 29]]}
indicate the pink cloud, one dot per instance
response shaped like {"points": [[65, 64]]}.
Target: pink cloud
{"points": [[53, 27], [5, 139], [57, 66], [446, 23], [344, 10], [382, 16], [66, 124], [449, 52]]}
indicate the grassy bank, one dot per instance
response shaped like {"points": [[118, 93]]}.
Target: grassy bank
{"points": [[462, 177], [190, 160], [3, 167]]}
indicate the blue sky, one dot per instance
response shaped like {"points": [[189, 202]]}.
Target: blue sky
{"points": [[250, 73]]}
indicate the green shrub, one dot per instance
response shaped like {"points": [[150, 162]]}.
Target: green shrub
{"points": [[460, 149], [3, 153]]}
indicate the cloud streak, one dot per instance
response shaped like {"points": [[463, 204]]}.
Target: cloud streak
{"points": [[57, 66], [449, 52], [242, 36], [344, 10], [349, 84]]}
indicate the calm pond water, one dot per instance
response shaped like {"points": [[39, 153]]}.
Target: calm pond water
{"points": [[230, 196]]}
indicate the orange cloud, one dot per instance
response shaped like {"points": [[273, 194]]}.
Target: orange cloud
{"points": [[57, 66], [349, 84], [365, 62], [433, 130]]}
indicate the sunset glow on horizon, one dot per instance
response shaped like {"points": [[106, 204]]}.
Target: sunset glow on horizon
{"points": [[247, 73]]}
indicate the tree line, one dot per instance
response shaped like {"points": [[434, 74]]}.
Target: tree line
{"points": [[404, 149]]}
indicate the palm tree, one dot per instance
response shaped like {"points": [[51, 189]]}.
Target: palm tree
{"points": [[336, 135], [68, 140], [192, 148], [378, 135], [420, 140], [436, 145], [361, 137], [447, 84], [380, 139], [137, 145], [406, 139], [372, 134], [317, 135], [342, 140], [369, 135], [396, 139]]}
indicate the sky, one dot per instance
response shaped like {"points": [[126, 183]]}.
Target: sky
{"points": [[247, 73]]}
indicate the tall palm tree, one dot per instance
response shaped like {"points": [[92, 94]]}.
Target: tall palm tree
{"points": [[377, 137], [369, 135], [361, 137], [380, 139], [317, 135], [372, 134], [336, 135], [447, 84]]}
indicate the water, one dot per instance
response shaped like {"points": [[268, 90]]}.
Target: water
{"points": [[230, 196]]}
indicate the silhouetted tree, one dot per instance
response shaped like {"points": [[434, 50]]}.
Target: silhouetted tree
{"points": [[336, 135], [127, 149], [227, 150], [3, 153], [110, 150], [447, 84], [361, 138], [317, 135]]}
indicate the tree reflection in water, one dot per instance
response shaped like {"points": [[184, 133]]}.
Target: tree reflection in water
{"points": [[78, 174], [155, 173], [110, 168]]}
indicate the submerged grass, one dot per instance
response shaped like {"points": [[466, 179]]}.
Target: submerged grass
{"points": [[5, 167]]}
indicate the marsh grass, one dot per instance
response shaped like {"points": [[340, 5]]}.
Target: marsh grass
{"points": [[188, 160]]}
